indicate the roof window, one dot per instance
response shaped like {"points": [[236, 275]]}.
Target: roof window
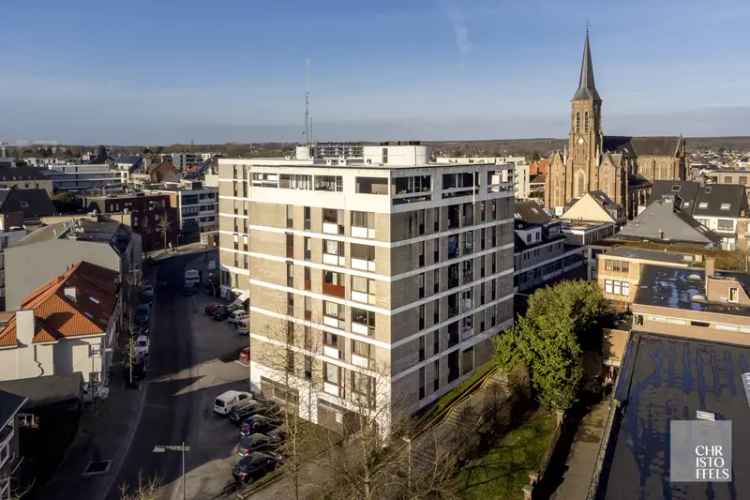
{"points": [[703, 204], [726, 206]]}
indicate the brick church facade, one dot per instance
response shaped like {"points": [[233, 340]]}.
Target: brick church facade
{"points": [[623, 168]]}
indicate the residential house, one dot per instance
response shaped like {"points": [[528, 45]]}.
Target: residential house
{"points": [[541, 254], [24, 177], [722, 208], [67, 325], [197, 209], [49, 251], [152, 215]]}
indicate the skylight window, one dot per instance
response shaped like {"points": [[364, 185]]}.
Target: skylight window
{"points": [[725, 206], [703, 204]]}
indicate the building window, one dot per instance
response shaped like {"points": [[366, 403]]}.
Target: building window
{"points": [[578, 122], [616, 266], [331, 373], [436, 375], [308, 368], [733, 295], [290, 361], [422, 376], [372, 185], [329, 183], [614, 287], [307, 218]]}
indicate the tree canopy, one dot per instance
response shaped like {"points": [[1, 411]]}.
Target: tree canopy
{"points": [[561, 322]]}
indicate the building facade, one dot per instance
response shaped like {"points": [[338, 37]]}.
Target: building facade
{"points": [[23, 177], [150, 215], [197, 208], [621, 167], [85, 177], [384, 281]]}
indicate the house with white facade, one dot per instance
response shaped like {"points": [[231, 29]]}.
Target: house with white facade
{"points": [[68, 325]]}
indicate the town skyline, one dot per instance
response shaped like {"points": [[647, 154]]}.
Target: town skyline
{"points": [[420, 72]]}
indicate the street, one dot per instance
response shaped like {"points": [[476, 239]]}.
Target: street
{"points": [[192, 359]]}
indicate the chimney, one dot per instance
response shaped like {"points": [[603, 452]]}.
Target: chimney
{"points": [[70, 293], [25, 326]]}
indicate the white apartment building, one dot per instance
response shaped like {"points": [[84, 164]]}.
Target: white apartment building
{"points": [[182, 160], [521, 177], [382, 282], [85, 177]]}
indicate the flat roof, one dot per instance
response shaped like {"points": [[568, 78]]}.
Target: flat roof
{"points": [[678, 287], [640, 253], [664, 379]]}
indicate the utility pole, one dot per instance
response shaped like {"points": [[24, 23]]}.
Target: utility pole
{"points": [[163, 448]]}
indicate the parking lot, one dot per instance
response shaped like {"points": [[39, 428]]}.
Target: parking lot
{"points": [[192, 359]]}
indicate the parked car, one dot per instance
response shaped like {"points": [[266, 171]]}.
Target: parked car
{"points": [[221, 314], [255, 466], [254, 407], [188, 291], [243, 327], [141, 345], [259, 423], [147, 289], [244, 357], [237, 316], [258, 442], [211, 309], [227, 400]]}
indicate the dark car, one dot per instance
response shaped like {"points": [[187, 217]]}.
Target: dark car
{"points": [[259, 423], [258, 442], [189, 290], [211, 309], [268, 408], [255, 466], [222, 313]]}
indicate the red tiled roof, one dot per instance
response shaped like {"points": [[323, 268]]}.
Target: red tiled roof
{"points": [[59, 316]]}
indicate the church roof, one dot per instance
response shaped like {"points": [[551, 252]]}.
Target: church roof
{"points": [[586, 86], [642, 146]]}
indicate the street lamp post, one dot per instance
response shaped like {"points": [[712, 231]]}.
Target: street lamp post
{"points": [[182, 448]]}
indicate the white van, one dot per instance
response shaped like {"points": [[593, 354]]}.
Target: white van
{"points": [[227, 400]]}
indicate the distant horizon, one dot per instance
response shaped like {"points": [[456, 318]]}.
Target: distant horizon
{"points": [[431, 70]]}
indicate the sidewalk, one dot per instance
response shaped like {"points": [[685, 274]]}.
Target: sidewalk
{"points": [[582, 457], [104, 433]]}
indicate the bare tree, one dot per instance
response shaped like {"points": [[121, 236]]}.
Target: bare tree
{"points": [[147, 489]]}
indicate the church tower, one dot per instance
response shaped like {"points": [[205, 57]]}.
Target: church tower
{"points": [[585, 138]]}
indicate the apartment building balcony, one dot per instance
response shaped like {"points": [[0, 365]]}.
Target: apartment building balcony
{"points": [[363, 322], [334, 322], [331, 352], [363, 232], [363, 297], [360, 361], [363, 265], [334, 290], [332, 389], [333, 228], [334, 260]]}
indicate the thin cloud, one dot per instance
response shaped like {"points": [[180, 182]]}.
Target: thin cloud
{"points": [[458, 22]]}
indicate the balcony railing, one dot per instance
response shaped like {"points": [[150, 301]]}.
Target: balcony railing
{"points": [[360, 361], [332, 389], [362, 232], [334, 322], [331, 352], [362, 328], [363, 297], [333, 228], [335, 290], [334, 260], [363, 265]]}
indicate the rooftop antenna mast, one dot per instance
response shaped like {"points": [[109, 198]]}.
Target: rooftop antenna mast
{"points": [[308, 119]]}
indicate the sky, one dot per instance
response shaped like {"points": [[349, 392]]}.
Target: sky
{"points": [[175, 71]]}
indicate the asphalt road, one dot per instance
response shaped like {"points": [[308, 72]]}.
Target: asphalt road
{"points": [[192, 360]]}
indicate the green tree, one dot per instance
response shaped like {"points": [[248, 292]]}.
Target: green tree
{"points": [[561, 322]]}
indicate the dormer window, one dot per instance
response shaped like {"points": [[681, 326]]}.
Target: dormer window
{"points": [[733, 295], [703, 204], [726, 206]]}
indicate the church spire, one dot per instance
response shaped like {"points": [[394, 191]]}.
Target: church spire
{"points": [[586, 87]]}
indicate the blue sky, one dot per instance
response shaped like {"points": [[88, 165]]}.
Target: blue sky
{"points": [[175, 71]]}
